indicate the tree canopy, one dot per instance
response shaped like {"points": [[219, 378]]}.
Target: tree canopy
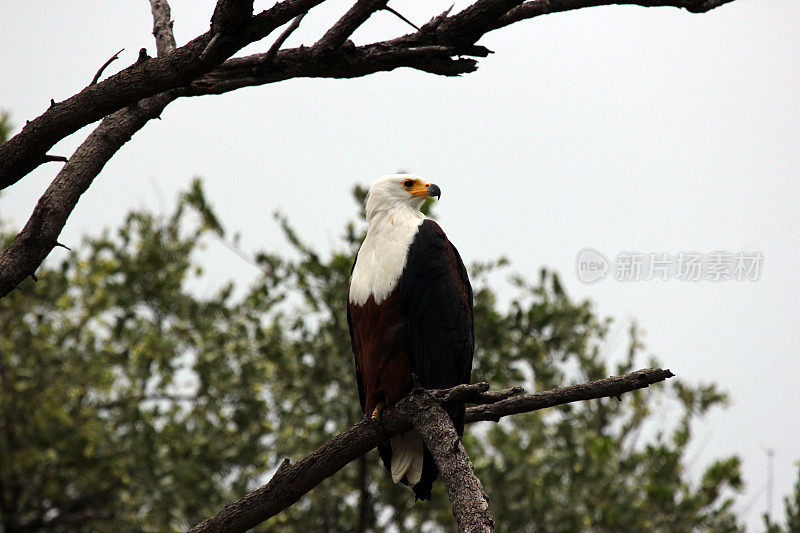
{"points": [[131, 401]]}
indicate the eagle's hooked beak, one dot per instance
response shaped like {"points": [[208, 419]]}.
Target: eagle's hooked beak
{"points": [[425, 190]]}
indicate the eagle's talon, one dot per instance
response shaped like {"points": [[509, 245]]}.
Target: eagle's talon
{"points": [[376, 413]]}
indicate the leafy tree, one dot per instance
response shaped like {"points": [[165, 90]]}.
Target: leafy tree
{"points": [[128, 401]]}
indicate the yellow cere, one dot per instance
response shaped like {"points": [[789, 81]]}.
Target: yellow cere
{"points": [[416, 188]]}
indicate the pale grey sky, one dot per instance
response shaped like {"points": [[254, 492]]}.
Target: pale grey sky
{"points": [[615, 128]]}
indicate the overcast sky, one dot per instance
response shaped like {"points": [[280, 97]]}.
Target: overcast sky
{"points": [[620, 129]]}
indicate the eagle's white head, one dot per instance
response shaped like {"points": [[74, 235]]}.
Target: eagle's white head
{"points": [[394, 217], [399, 190]]}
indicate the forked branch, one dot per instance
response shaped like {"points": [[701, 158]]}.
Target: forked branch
{"points": [[423, 411]]}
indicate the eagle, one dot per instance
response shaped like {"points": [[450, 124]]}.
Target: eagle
{"points": [[410, 313]]}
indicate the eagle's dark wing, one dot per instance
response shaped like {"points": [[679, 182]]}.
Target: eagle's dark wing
{"points": [[436, 309]]}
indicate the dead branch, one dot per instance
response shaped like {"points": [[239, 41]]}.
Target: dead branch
{"points": [[535, 8], [350, 22], [40, 235], [292, 481], [197, 68], [162, 27], [318, 63], [233, 28], [103, 67], [609, 387], [25, 151], [273, 50]]}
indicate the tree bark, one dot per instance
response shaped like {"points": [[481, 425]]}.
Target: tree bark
{"points": [[468, 500]]}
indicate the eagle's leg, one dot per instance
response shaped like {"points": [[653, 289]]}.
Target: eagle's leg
{"points": [[376, 413]]}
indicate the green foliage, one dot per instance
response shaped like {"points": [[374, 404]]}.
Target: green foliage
{"points": [[5, 126], [129, 402]]}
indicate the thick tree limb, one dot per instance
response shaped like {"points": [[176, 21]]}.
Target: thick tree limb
{"points": [[231, 16], [292, 481], [468, 500], [320, 63], [40, 234]]}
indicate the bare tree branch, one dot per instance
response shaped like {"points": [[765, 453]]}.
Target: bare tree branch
{"points": [[230, 16], [437, 48], [535, 8], [292, 481], [613, 387], [401, 17], [103, 67], [322, 63], [232, 29], [40, 234], [350, 21], [273, 50], [162, 27], [25, 151]]}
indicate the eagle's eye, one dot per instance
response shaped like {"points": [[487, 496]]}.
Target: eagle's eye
{"points": [[408, 183]]}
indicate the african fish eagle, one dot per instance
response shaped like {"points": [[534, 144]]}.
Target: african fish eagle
{"points": [[409, 311]]}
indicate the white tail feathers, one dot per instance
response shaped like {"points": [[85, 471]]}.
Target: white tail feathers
{"points": [[407, 457]]}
